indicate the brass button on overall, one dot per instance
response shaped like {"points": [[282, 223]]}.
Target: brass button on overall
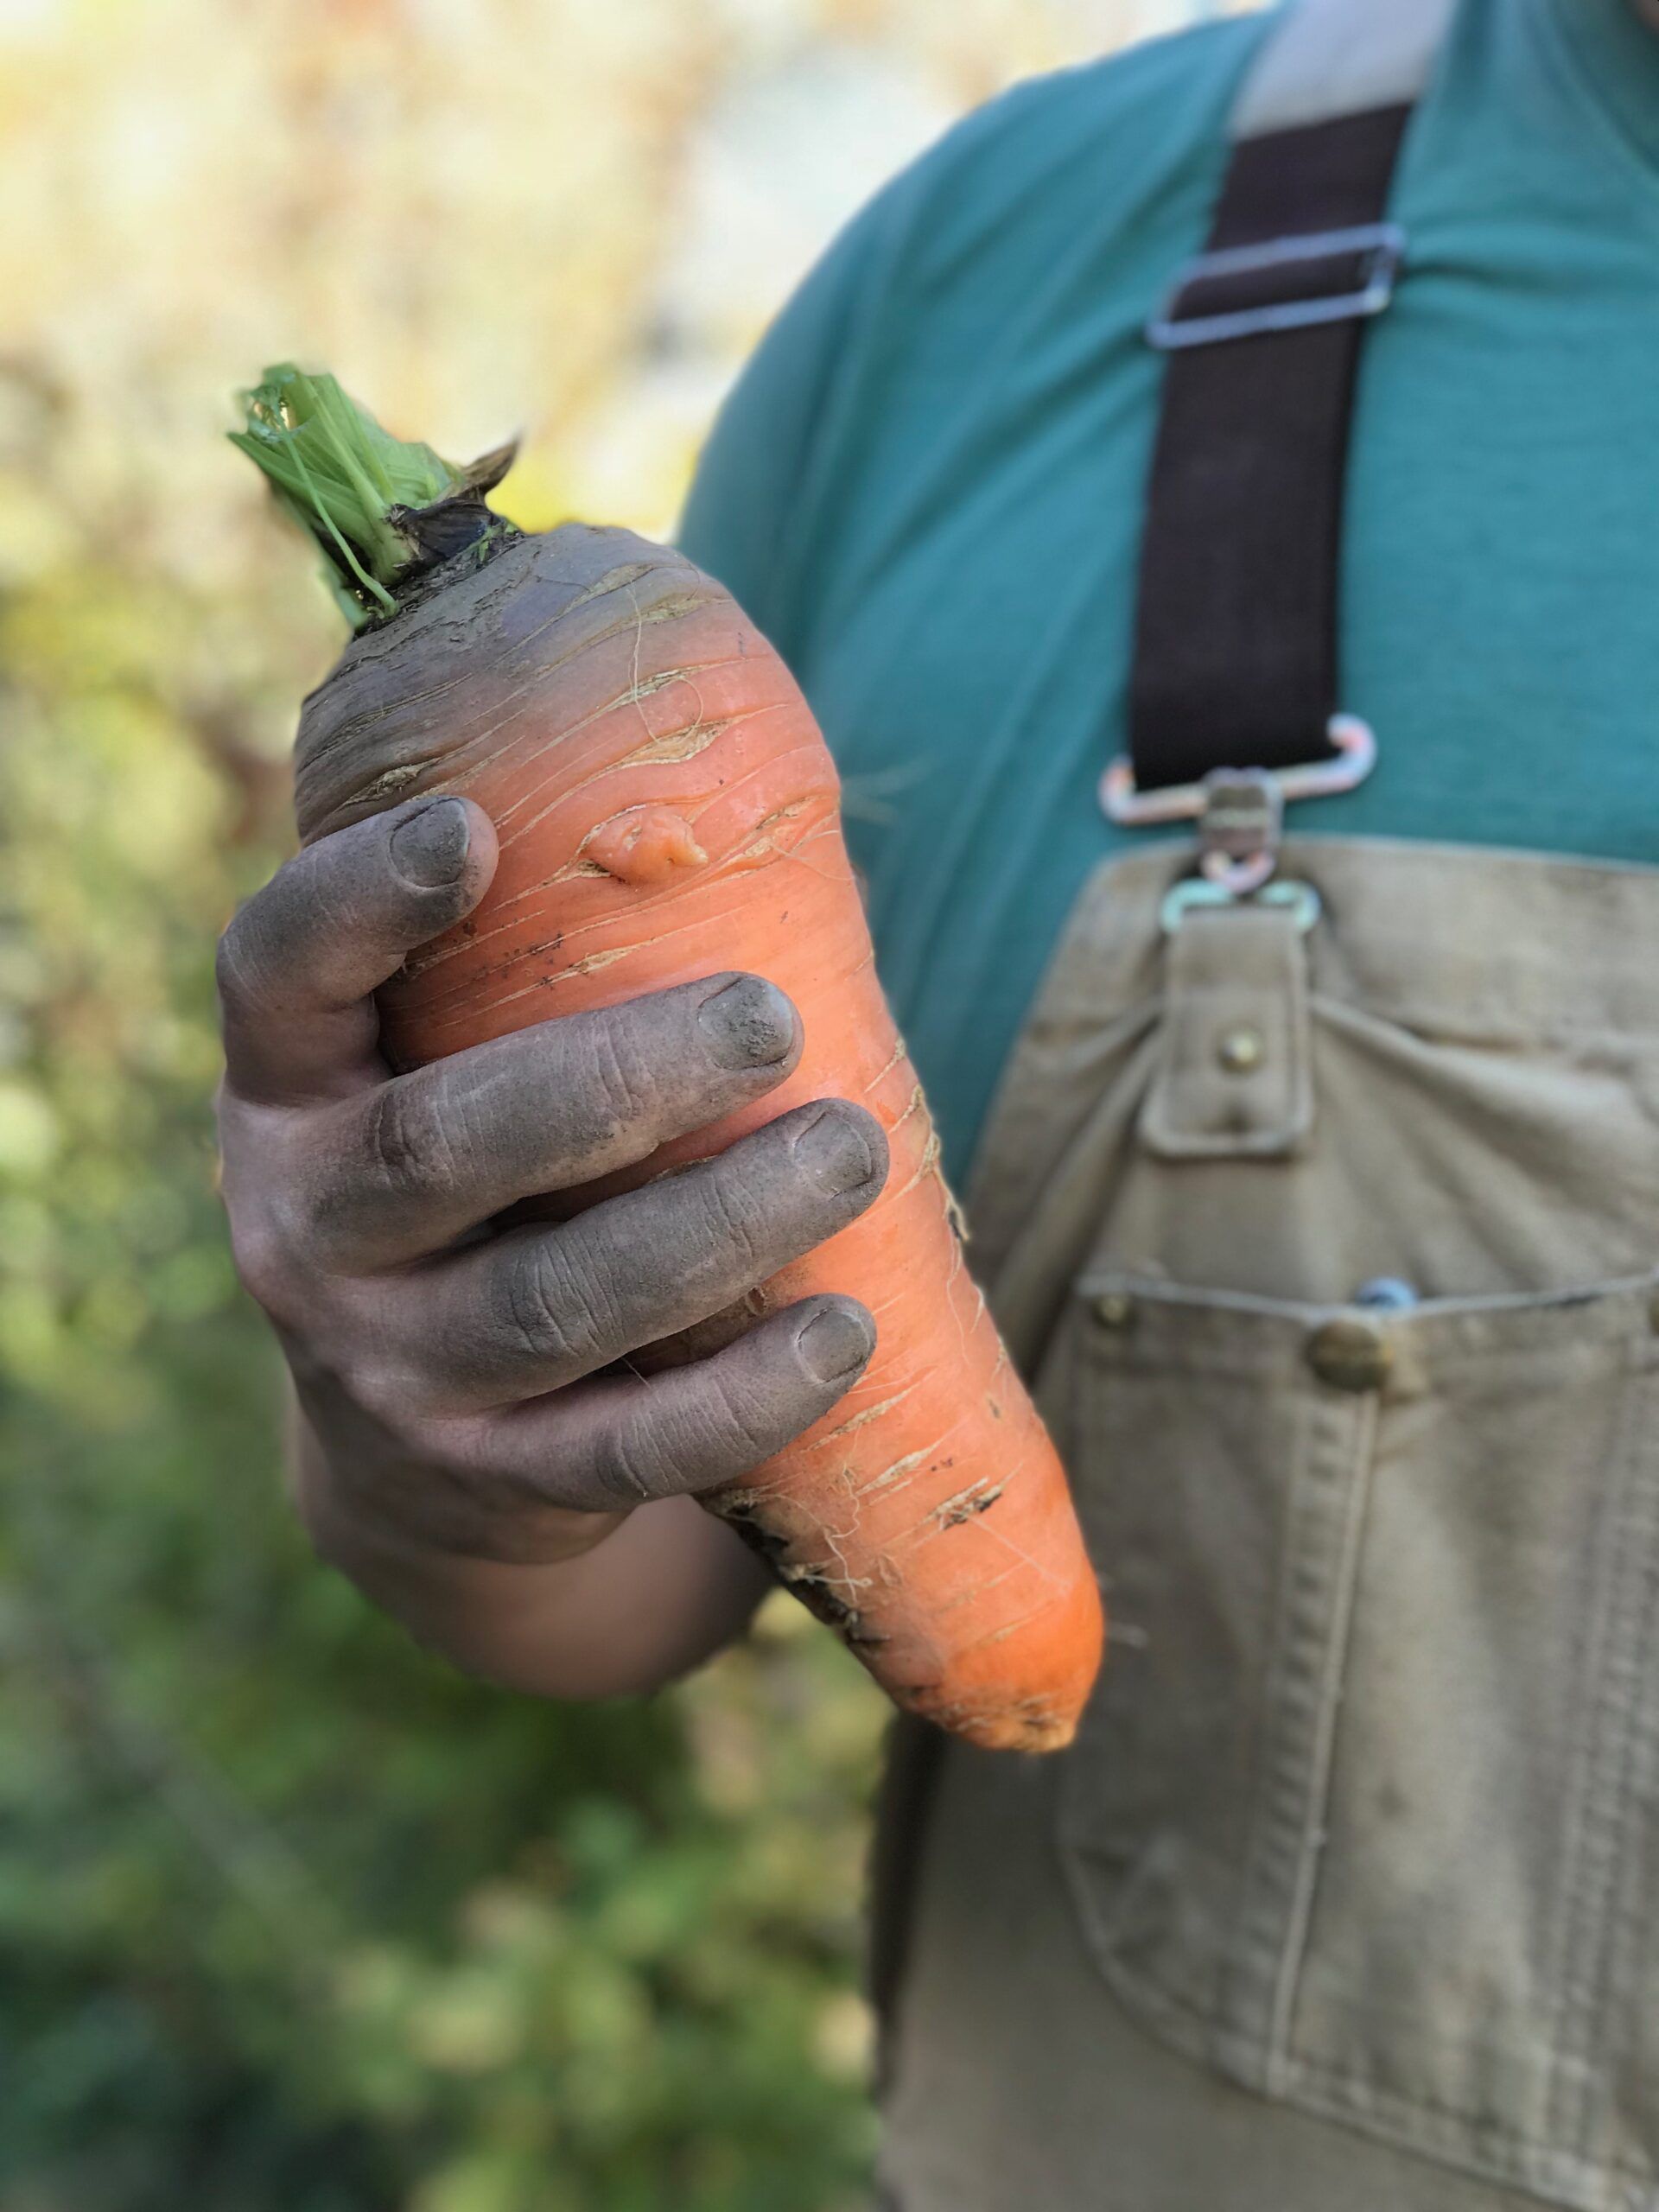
{"points": [[1115, 1309], [1350, 1354], [1240, 1051]]}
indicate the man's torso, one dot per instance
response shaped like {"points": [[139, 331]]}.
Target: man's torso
{"points": [[929, 490]]}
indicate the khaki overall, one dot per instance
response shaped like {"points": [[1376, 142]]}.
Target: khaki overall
{"points": [[1323, 1211], [1363, 1824]]}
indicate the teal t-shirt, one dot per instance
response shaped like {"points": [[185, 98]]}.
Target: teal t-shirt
{"points": [[926, 488]]}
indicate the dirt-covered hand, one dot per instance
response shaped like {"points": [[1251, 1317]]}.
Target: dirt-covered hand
{"points": [[464, 1379]]}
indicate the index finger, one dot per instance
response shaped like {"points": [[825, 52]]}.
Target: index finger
{"points": [[299, 963]]}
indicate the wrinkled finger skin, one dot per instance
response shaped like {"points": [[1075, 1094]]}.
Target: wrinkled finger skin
{"points": [[470, 1381]]}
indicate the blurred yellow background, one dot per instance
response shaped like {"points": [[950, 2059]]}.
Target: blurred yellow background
{"points": [[289, 1916]]}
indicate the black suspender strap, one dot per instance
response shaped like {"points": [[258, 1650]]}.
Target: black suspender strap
{"points": [[1236, 627], [1235, 643]]}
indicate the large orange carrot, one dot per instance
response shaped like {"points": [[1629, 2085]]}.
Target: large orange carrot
{"points": [[667, 809]]}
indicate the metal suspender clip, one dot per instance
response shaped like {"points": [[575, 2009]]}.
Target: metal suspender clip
{"points": [[1238, 851], [1355, 756], [1240, 815], [1281, 285]]}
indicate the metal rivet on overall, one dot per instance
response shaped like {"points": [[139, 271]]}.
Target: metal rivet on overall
{"points": [[1240, 1051], [1350, 1355], [1115, 1309]]}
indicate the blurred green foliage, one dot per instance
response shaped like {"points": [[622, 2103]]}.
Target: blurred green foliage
{"points": [[290, 1917]]}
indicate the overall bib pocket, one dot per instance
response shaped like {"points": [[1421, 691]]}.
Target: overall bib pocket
{"points": [[1365, 1812]]}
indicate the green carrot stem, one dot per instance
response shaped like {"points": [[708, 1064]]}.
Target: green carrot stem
{"points": [[358, 490]]}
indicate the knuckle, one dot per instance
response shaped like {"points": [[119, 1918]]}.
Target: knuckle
{"points": [[626, 1467], [295, 1213], [576, 1090], [279, 1239], [706, 1431], [377, 1387], [737, 1223], [618, 1070], [408, 1146], [748, 1423], [377, 1373], [260, 1255], [271, 1218], [743, 1431], [233, 964], [408, 1389], [546, 1316]]}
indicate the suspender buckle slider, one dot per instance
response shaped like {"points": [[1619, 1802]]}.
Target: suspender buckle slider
{"points": [[1288, 284]]}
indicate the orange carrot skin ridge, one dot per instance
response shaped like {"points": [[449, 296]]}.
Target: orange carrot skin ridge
{"points": [[667, 810]]}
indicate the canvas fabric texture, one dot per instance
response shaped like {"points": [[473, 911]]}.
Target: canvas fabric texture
{"points": [[1348, 1893]]}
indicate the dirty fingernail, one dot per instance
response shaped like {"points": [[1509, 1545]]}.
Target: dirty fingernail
{"points": [[748, 1025], [430, 847], [834, 1151], [836, 1342]]}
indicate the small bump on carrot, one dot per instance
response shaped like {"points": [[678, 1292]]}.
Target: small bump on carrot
{"points": [[645, 845]]}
